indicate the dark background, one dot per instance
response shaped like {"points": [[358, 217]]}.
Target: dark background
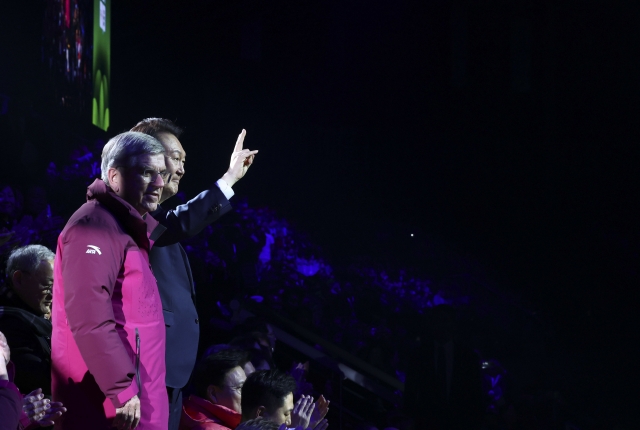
{"points": [[505, 130]]}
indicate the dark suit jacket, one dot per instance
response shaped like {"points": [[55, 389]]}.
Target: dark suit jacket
{"points": [[171, 268], [425, 404]]}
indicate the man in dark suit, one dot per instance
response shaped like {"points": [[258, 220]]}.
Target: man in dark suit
{"points": [[169, 260], [443, 388]]}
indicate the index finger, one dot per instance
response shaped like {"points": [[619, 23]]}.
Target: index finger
{"points": [[321, 401], [298, 404], [240, 141], [34, 392], [136, 418], [310, 407]]}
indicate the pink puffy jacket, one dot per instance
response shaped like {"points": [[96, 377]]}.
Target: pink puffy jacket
{"points": [[106, 310]]}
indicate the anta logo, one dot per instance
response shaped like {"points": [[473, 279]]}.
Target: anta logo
{"points": [[93, 250]]}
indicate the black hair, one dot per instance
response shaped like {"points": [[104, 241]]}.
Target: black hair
{"points": [[258, 424], [266, 388], [214, 349], [155, 126], [212, 369]]}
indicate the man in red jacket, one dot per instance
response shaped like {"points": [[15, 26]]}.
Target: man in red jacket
{"points": [[108, 342], [218, 381]]}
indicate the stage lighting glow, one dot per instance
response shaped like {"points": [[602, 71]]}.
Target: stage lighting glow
{"points": [[101, 63]]}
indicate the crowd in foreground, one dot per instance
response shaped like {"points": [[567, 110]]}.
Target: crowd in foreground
{"points": [[227, 393]]}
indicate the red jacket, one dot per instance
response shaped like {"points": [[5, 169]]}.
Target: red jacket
{"points": [[201, 414], [104, 295]]}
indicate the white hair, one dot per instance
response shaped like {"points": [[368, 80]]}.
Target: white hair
{"points": [[123, 149], [27, 259]]}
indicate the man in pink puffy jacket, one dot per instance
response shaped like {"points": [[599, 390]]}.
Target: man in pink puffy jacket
{"points": [[108, 342]]}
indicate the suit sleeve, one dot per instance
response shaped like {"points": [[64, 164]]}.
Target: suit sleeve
{"points": [[89, 283], [191, 218]]}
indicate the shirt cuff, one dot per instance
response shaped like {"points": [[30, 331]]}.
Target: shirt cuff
{"points": [[8, 385], [225, 188]]}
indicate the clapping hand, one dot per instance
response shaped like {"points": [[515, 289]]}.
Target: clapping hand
{"points": [[319, 412], [302, 411], [41, 412]]}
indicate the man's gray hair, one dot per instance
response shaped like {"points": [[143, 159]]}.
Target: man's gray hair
{"points": [[123, 149], [27, 259]]}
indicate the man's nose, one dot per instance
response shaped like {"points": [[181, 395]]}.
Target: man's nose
{"points": [[159, 182]]}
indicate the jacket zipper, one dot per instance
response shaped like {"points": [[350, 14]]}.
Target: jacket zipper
{"points": [[138, 362]]}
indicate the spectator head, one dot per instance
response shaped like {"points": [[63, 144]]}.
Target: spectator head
{"points": [[268, 394], [443, 322], [259, 349], [30, 275], [258, 424], [133, 167], [246, 366], [219, 378], [168, 134], [260, 325]]}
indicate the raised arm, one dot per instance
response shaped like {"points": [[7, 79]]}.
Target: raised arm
{"points": [[191, 218]]}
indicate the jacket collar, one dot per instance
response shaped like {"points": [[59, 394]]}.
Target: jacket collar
{"points": [[201, 410], [139, 228]]}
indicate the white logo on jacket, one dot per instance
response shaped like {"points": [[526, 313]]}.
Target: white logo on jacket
{"points": [[93, 250]]}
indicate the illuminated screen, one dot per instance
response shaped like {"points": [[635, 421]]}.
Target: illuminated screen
{"points": [[66, 50], [101, 63]]}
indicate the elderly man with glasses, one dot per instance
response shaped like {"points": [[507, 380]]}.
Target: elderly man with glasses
{"points": [[25, 306], [108, 344]]}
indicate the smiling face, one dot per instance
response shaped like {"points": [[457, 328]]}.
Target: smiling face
{"points": [[141, 184], [34, 288], [175, 158]]}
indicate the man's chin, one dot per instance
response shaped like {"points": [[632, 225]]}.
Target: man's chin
{"points": [[167, 193], [149, 207]]}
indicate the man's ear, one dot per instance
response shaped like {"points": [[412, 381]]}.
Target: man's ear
{"points": [[260, 411], [16, 279], [114, 177], [211, 394]]}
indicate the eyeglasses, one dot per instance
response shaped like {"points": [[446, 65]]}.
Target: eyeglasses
{"points": [[46, 288], [147, 173]]}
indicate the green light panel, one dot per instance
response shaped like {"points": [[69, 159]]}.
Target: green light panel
{"points": [[101, 62]]}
